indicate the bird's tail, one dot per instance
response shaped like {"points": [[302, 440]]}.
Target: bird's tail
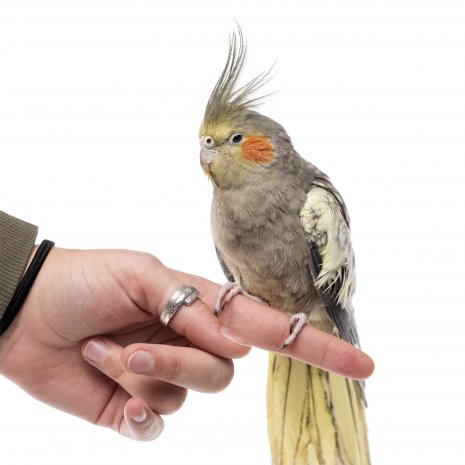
{"points": [[314, 417]]}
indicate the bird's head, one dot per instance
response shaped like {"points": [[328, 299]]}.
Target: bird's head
{"points": [[238, 145]]}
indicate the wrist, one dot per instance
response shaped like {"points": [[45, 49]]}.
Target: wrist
{"points": [[25, 285], [9, 342], [14, 332], [13, 325]]}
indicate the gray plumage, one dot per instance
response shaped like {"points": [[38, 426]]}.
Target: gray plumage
{"points": [[259, 233]]}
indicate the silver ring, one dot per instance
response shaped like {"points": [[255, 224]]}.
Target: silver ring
{"points": [[183, 295]]}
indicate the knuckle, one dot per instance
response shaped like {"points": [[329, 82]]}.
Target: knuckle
{"points": [[154, 261], [171, 369], [149, 259], [146, 263], [323, 359], [141, 275], [117, 371], [109, 362]]}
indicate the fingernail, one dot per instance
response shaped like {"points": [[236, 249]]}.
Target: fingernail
{"points": [[96, 350], [141, 417], [140, 362], [231, 335]]}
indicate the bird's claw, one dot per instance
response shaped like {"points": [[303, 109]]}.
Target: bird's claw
{"points": [[227, 292], [231, 289], [296, 323]]}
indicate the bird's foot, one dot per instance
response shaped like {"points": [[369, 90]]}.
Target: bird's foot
{"points": [[297, 322], [227, 292]]}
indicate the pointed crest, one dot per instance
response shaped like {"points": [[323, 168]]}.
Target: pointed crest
{"points": [[225, 101]]}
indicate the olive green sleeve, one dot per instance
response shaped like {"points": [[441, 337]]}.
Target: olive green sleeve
{"points": [[17, 239]]}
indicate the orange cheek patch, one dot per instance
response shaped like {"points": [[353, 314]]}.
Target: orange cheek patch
{"points": [[257, 149]]}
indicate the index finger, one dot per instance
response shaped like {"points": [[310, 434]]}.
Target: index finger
{"points": [[250, 323]]}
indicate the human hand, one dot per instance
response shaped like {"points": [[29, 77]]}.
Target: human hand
{"points": [[105, 306]]}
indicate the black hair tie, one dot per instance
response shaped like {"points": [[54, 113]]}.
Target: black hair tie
{"points": [[25, 285]]}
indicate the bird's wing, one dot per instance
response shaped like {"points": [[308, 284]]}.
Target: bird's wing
{"points": [[332, 262]]}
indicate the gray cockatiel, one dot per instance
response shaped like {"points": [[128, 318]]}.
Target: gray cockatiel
{"points": [[281, 231]]}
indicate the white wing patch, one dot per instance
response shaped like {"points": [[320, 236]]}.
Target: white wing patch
{"points": [[324, 222]]}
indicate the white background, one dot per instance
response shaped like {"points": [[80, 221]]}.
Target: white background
{"points": [[100, 103]]}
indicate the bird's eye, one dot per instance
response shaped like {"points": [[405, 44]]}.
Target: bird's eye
{"points": [[236, 138]]}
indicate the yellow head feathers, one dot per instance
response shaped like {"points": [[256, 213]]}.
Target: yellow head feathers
{"points": [[226, 103]]}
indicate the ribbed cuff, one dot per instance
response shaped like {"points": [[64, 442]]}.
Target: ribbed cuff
{"points": [[17, 239]]}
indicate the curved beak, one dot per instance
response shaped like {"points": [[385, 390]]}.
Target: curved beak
{"points": [[206, 158]]}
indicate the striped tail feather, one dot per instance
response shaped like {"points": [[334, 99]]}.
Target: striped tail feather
{"points": [[314, 417]]}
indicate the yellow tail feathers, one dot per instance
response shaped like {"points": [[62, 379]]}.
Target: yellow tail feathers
{"points": [[314, 417]]}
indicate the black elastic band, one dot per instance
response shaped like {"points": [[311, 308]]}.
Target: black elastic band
{"points": [[25, 285]]}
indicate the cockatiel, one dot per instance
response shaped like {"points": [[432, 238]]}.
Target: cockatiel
{"points": [[281, 231]]}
